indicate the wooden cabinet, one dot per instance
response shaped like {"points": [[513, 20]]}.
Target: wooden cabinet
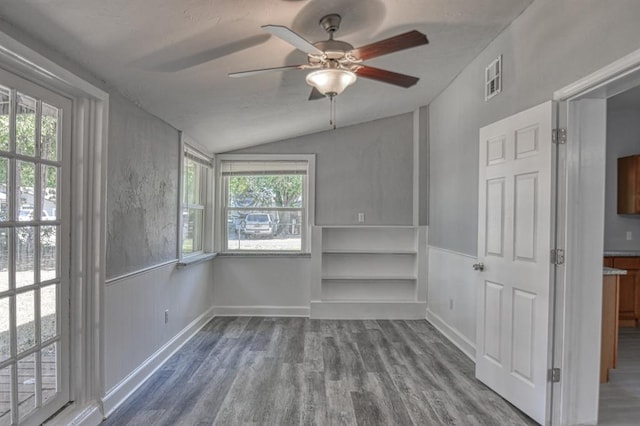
{"points": [[629, 185], [629, 305], [610, 324]]}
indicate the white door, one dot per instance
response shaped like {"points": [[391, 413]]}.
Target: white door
{"points": [[514, 242], [35, 126]]}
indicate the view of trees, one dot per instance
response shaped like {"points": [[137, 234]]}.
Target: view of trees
{"points": [[25, 128], [265, 191]]}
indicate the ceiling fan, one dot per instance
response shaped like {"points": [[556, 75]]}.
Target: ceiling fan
{"points": [[338, 63]]}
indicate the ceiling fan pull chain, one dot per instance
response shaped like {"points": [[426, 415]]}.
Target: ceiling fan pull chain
{"points": [[332, 111]]}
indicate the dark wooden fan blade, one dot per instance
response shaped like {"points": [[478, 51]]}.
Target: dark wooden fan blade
{"points": [[264, 71], [292, 38], [385, 76], [384, 47], [315, 95]]}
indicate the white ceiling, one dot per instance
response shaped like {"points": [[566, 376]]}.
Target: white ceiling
{"points": [[629, 99], [172, 56]]}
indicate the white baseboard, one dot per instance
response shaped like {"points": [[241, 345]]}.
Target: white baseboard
{"points": [[464, 344], [367, 310], [261, 311], [90, 415], [119, 393]]}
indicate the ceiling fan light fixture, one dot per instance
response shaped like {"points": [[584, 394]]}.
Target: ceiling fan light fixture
{"points": [[331, 81]]}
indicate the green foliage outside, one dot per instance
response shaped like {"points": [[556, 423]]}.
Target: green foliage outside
{"points": [[265, 191], [25, 144]]}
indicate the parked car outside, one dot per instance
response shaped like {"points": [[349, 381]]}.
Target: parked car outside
{"points": [[260, 224]]}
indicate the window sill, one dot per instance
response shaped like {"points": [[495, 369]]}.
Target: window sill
{"points": [[192, 260], [263, 254]]}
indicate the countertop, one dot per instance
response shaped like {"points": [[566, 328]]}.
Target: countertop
{"points": [[622, 253], [613, 271]]}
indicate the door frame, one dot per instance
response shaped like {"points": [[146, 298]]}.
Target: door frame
{"points": [[89, 133], [580, 231]]}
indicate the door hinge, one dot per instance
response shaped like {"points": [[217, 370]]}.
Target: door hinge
{"points": [[554, 375], [557, 256], [559, 136]]}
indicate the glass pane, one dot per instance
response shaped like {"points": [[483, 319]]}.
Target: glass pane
{"points": [[5, 396], [48, 309], [267, 230], [26, 385], [263, 191], [49, 372], [49, 132], [4, 118], [48, 253], [26, 125], [49, 187], [25, 273], [194, 184], [26, 177], [4, 329], [4, 259], [25, 320], [192, 230], [4, 184]]}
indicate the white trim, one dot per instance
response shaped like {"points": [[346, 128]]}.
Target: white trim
{"points": [[261, 311], [578, 283], [91, 415], [111, 281], [615, 70], [119, 393], [45, 71], [457, 253], [416, 167], [89, 142], [361, 310], [465, 345], [220, 227]]}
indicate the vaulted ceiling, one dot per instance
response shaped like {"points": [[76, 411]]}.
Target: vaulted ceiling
{"points": [[172, 56]]}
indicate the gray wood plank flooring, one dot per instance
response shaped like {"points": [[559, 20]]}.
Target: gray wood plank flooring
{"points": [[620, 398], [296, 371]]}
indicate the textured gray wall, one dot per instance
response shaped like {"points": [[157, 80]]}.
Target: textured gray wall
{"points": [[142, 189], [623, 139], [553, 43], [363, 168]]}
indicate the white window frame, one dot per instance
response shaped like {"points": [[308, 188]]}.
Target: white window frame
{"points": [[90, 123], [188, 145], [308, 205]]}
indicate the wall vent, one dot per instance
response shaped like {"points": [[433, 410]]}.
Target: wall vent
{"points": [[493, 78]]}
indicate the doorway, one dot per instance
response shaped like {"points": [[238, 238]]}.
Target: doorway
{"points": [[582, 185], [35, 132]]}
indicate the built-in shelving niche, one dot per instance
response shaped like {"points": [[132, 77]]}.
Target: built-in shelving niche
{"points": [[369, 272]]}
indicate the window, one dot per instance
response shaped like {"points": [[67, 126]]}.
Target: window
{"points": [[265, 202], [194, 201]]}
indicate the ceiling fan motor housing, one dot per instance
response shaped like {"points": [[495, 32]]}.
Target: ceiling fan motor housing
{"points": [[331, 23]]}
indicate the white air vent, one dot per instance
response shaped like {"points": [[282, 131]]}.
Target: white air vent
{"points": [[493, 78]]}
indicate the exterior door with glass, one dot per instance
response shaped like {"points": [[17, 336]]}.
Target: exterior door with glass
{"points": [[35, 126]]}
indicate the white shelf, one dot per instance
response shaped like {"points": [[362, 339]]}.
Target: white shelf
{"points": [[368, 272], [369, 251], [368, 278]]}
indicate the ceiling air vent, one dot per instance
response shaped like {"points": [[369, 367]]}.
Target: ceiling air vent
{"points": [[493, 78]]}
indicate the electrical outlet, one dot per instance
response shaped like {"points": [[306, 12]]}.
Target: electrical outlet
{"points": [[361, 217], [629, 236], [166, 316], [451, 304]]}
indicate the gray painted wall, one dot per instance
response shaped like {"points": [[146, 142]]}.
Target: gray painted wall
{"points": [[553, 43], [623, 139], [142, 189], [362, 168]]}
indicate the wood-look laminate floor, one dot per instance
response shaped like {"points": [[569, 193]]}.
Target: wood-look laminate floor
{"points": [[620, 398], [291, 371]]}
